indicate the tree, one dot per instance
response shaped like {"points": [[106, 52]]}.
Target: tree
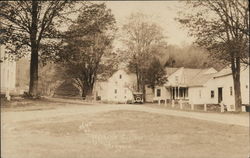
{"points": [[190, 56], [155, 74], [143, 39], [221, 27], [28, 26], [51, 76], [87, 52]]}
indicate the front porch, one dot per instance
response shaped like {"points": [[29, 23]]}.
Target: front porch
{"points": [[178, 93], [171, 94]]}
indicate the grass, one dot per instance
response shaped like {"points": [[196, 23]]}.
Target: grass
{"points": [[23, 104], [123, 134]]}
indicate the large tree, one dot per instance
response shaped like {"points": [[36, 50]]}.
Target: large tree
{"points": [[28, 26], [155, 74], [143, 41], [222, 26], [87, 52]]}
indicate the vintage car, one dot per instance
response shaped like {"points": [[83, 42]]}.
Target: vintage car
{"points": [[137, 97]]}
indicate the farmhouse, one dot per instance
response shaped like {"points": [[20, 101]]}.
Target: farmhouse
{"points": [[118, 88], [223, 86], [202, 86], [186, 84]]}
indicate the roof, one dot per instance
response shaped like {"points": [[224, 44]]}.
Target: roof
{"points": [[227, 70], [201, 79], [170, 70], [224, 72], [195, 77]]}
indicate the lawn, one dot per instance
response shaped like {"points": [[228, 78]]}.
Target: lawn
{"points": [[122, 134]]}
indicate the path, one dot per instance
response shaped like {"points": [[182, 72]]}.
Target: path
{"points": [[76, 109]]}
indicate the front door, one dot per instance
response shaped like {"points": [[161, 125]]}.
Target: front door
{"points": [[220, 98]]}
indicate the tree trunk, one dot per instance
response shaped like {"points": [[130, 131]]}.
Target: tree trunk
{"points": [[33, 86], [144, 92], [137, 79], [235, 66]]}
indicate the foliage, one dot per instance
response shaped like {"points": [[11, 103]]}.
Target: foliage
{"points": [[222, 27], [143, 41], [50, 77], [32, 27], [87, 47], [190, 56], [155, 74]]}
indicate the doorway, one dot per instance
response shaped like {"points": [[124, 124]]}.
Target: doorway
{"points": [[220, 98]]}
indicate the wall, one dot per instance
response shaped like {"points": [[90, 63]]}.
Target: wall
{"points": [[8, 73], [227, 81], [116, 89], [202, 95], [165, 94]]}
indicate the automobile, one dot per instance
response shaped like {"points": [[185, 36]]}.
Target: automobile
{"points": [[137, 97]]}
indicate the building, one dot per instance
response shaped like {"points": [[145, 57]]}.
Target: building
{"points": [[224, 88], [185, 84], [202, 86], [14, 74], [118, 88], [8, 72]]}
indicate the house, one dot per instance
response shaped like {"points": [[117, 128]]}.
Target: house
{"points": [[203, 86], [224, 88], [14, 74], [186, 84], [8, 73], [118, 88]]}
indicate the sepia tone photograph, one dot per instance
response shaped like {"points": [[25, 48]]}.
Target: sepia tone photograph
{"points": [[124, 79]]}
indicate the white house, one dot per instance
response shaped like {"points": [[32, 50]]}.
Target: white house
{"points": [[118, 88], [203, 86], [224, 89], [8, 72], [186, 84]]}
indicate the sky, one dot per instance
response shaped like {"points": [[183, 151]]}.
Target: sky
{"points": [[162, 12]]}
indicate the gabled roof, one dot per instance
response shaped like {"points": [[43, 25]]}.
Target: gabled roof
{"points": [[195, 77], [201, 79], [227, 71], [170, 70]]}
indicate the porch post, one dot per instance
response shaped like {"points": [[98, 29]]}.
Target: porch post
{"points": [[176, 89]]}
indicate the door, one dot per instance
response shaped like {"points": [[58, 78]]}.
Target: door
{"points": [[220, 98]]}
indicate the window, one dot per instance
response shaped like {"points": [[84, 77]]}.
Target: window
{"points": [[120, 76], [246, 86], [158, 92], [200, 93], [231, 91], [212, 94], [115, 91], [186, 92]]}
